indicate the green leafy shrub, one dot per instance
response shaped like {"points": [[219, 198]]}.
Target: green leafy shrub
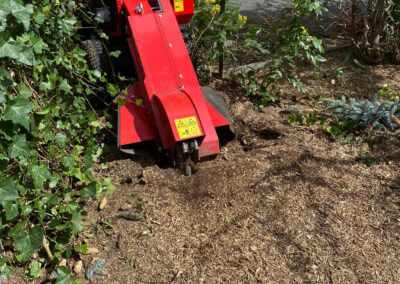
{"points": [[215, 33], [47, 129], [286, 41]]}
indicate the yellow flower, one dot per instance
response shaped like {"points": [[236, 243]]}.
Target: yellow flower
{"points": [[210, 1], [303, 30], [216, 8], [242, 19]]}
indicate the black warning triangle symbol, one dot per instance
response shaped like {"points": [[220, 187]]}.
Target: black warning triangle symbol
{"points": [[181, 124], [192, 121]]}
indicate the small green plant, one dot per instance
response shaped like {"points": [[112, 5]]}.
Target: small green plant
{"points": [[310, 118], [366, 158], [296, 117], [335, 128], [34, 269], [339, 128], [82, 249], [339, 73], [386, 92]]}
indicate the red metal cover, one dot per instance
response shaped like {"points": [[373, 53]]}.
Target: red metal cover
{"points": [[184, 10], [172, 98]]}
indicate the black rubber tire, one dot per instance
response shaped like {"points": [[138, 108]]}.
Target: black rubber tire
{"points": [[96, 56], [219, 104]]}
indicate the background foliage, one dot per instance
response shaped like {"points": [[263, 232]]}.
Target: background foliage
{"points": [[216, 33], [372, 27], [285, 42]]}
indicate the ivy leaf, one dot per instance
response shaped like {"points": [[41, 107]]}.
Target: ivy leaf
{"points": [[115, 53], [69, 22], [112, 89], [97, 73], [44, 86], [64, 275], [3, 22], [38, 16], [82, 249], [89, 191], [11, 209], [19, 148], [7, 190], [34, 269], [5, 269], [3, 16], [21, 12], [53, 182], [5, 78], [77, 223], [9, 49], [26, 55], [67, 162], [40, 175], [27, 244], [2, 97], [65, 86], [24, 91], [37, 43], [19, 112], [17, 51], [60, 138]]}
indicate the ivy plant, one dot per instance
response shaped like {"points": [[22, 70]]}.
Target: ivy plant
{"points": [[47, 130]]}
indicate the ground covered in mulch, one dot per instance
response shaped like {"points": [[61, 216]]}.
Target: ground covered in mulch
{"points": [[280, 204]]}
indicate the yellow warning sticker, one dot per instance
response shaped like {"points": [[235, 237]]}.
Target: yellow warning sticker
{"points": [[187, 127], [178, 6]]}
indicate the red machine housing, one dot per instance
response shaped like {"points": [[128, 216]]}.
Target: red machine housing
{"points": [[167, 106], [184, 10]]}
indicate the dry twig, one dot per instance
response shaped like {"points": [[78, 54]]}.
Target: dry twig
{"points": [[45, 244], [176, 277]]}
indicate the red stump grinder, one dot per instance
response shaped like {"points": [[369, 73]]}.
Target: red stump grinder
{"points": [[178, 117]]}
